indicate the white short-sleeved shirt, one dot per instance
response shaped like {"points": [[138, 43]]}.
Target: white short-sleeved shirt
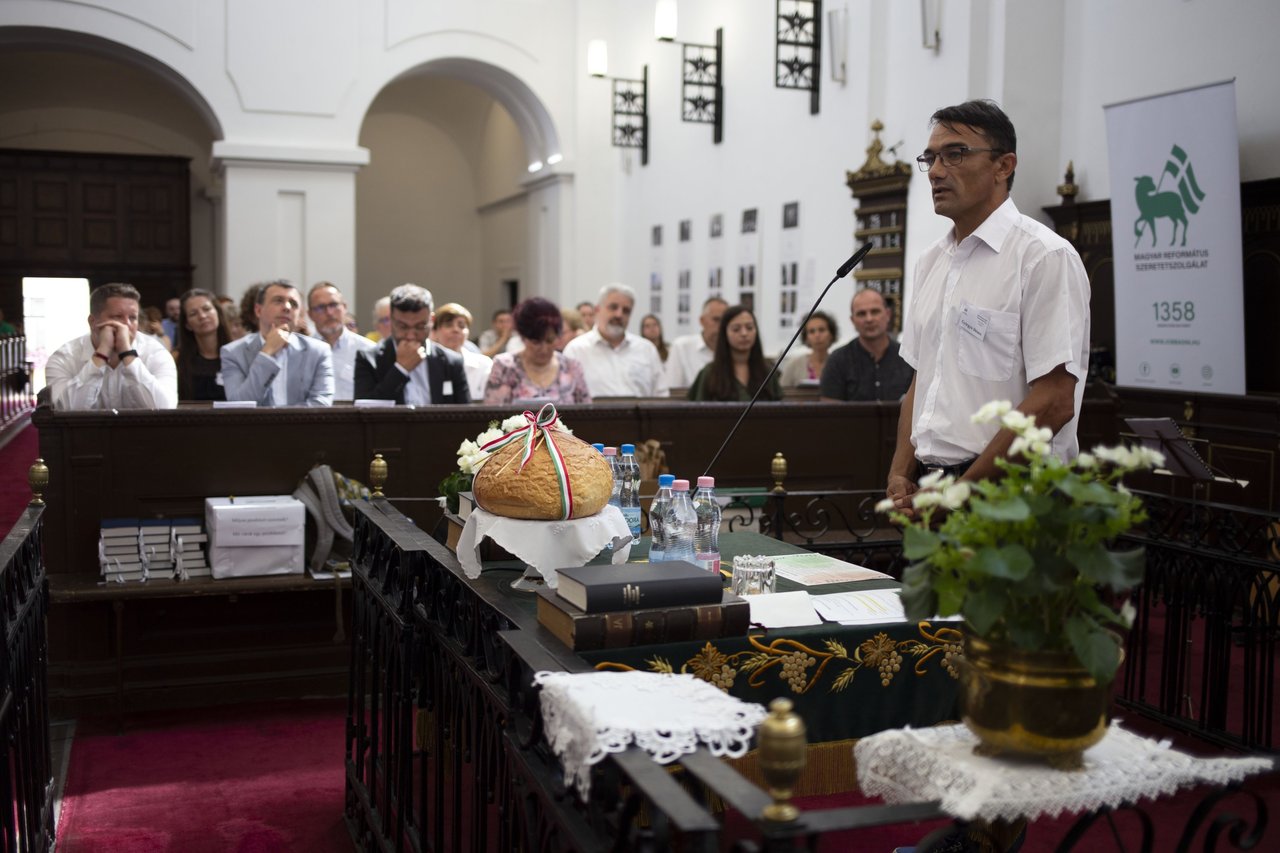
{"points": [[686, 356], [631, 369], [1005, 306], [344, 362]]}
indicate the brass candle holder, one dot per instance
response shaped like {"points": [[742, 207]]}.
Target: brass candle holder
{"points": [[783, 751]]}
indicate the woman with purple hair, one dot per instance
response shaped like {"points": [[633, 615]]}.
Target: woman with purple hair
{"points": [[537, 372]]}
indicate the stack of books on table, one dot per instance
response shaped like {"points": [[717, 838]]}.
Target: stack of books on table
{"points": [[636, 604], [119, 552], [188, 544], [153, 545]]}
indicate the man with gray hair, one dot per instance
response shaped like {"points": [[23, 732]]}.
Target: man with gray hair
{"points": [[618, 363], [408, 367], [112, 367]]}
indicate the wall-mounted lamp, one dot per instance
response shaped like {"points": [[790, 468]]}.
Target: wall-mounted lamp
{"points": [[701, 81], [931, 24], [630, 122], [798, 48], [838, 39]]}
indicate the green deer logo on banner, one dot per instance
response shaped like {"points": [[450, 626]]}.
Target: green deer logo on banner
{"points": [[1174, 206]]}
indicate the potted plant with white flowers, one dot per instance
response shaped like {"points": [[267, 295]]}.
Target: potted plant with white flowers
{"points": [[1028, 560]]}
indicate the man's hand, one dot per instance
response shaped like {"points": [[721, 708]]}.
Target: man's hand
{"points": [[103, 338], [900, 489], [276, 339], [408, 354]]}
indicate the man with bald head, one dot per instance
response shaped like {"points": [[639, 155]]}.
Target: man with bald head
{"points": [[868, 367]]}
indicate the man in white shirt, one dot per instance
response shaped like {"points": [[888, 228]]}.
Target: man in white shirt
{"points": [[328, 310], [278, 366], [1000, 310], [688, 354], [616, 362], [112, 367]]}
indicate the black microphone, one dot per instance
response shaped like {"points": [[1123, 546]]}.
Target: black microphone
{"points": [[844, 270]]}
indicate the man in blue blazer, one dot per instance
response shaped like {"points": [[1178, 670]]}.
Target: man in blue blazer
{"points": [[278, 366], [408, 367]]}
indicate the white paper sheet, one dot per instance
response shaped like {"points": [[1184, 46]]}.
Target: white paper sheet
{"points": [[816, 569], [783, 610], [866, 607]]}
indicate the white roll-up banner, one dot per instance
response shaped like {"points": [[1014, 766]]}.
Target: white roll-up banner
{"points": [[1175, 231]]}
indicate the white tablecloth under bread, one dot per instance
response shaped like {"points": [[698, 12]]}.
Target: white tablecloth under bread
{"points": [[545, 545]]}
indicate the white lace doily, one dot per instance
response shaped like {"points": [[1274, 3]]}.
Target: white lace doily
{"points": [[917, 765], [545, 545], [590, 714]]}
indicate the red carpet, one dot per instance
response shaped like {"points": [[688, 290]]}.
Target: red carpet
{"points": [[257, 782], [15, 458]]}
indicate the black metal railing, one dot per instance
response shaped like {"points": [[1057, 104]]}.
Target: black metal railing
{"points": [[26, 818], [1203, 649]]}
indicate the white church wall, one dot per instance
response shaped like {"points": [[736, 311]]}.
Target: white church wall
{"points": [[1119, 51]]}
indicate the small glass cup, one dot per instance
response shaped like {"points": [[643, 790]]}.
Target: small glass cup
{"points": [[753, 575]]}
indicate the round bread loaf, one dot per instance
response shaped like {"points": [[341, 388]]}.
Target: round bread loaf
{"points": [[501, 488]]}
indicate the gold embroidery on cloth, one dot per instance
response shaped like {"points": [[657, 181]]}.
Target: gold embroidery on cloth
{"points": [[801, 667]]}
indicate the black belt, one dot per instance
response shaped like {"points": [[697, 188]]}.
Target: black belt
{"points": [[957, 470]]}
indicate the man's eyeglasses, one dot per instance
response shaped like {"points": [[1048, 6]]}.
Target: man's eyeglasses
{"points": [[951, 157], [328, 306], [405, 328]]}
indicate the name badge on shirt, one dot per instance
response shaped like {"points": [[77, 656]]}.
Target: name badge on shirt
{"points": [[447, 387], [973, 321]]}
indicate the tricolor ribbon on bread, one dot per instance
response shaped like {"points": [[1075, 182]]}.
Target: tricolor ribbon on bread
{"points": [[540, 425]]}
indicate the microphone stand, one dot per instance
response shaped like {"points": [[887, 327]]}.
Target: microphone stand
{"points": [[844, 270]]}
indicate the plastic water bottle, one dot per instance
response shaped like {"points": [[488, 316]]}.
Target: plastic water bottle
{"points": [[657, 519], [629, 491], [611, 456], [679, 524], [706, 540], [599, 448]]}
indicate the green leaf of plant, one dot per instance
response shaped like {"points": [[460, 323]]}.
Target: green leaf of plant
{"points": [[1132, 565], [1025, 629], [983, 607], [1119, 570], [918, 543], [1002, 509], [919, 600], [1012, 562], [1097, 649], [1090, 493]]}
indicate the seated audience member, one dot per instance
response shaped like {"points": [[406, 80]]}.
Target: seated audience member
{"points": [[494, 339], [618, 363], [172, 321], [278, 366], [328, 308], [537, 372], [573, 326], [230, 318], [690, 353], [381, 320], [587, 311], [450, 329], [651, 331], [869, 366], [200, 340], [248, 309], [112, 367], [149, 323], [806, 368], [738, 367], [408, 367]]}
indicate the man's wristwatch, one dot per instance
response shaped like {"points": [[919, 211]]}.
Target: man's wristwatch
{"points": [[127, 353]]}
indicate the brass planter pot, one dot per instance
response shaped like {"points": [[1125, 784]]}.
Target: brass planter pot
{"points": [[1032, 703]]}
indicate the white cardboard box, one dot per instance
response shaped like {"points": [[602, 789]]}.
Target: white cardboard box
{"points": [[260, 535]]}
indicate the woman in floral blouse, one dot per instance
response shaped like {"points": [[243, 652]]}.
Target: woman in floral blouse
{"points": [[537, 372]]}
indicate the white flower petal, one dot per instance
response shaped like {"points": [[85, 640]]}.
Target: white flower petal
{"points": [[924, 500], [990, 411], [885, 505]]}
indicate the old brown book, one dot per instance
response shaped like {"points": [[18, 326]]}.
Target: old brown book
{"points": [[584, 632]]}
